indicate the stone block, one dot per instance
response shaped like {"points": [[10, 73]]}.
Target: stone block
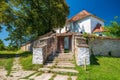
{"points": [[37, 56], [83, 56]]}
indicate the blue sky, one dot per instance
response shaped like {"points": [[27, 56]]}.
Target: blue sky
{"points": [[105, 9]]}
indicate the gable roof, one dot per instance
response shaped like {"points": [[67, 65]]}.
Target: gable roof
{"points": [[81, 15]]}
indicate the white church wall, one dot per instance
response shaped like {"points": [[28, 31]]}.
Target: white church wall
{"points": [[63, 30], [84, 25]]}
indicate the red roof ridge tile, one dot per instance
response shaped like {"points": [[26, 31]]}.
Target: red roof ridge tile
{"points": [[81, 15]]}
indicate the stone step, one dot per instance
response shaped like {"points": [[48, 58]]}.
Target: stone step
{"points": [[61, 55], [58, 70], [61, 59], [44, 76], [65, 54], [65, 77], [49, 65], [65, 65], [61, 77], [33, 76], [61, 64], [14, 71], [50, 61], [69, 57], [65, 70]]}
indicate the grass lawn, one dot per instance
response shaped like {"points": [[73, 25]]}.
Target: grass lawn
{"points": [[7, 57], [7, 64], [6, 60], [26, 61], [108, 68], [8, 52]]}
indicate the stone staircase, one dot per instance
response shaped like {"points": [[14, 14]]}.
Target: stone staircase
{"points": [[60, 63], [61, 57], [57, 67]]}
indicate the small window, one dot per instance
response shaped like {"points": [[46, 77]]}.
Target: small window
{"points": [[98, 24]]}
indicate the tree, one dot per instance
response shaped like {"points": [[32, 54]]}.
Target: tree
{"points": [[113, 29], [3, 7], [2, 47], [28, 19]]}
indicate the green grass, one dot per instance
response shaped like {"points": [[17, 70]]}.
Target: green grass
{"points": [[52, 78], [7, 64], [8, 52], [29, 75], [7, 57], [6, 60], [26, 61], [108, 69]]}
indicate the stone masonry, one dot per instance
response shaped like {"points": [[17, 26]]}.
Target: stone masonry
{"points": [[82, 51]]}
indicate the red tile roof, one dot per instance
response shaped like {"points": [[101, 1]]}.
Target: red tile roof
{"points": [[81, 15], [98, 28]]}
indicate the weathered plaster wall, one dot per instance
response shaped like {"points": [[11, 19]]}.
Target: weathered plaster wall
{"points": [[105, 46], [27, 47]]}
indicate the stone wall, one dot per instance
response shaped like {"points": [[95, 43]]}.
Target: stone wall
{"points": [[38, 55], [43, 48], [105, 46], [82, 54], [27, 46], [102, 46]]}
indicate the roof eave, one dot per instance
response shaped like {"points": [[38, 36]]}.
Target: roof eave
{"points": [[97, 18]]}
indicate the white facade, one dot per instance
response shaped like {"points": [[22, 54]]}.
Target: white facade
{"points": [[62, 30], [84, 25]]}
